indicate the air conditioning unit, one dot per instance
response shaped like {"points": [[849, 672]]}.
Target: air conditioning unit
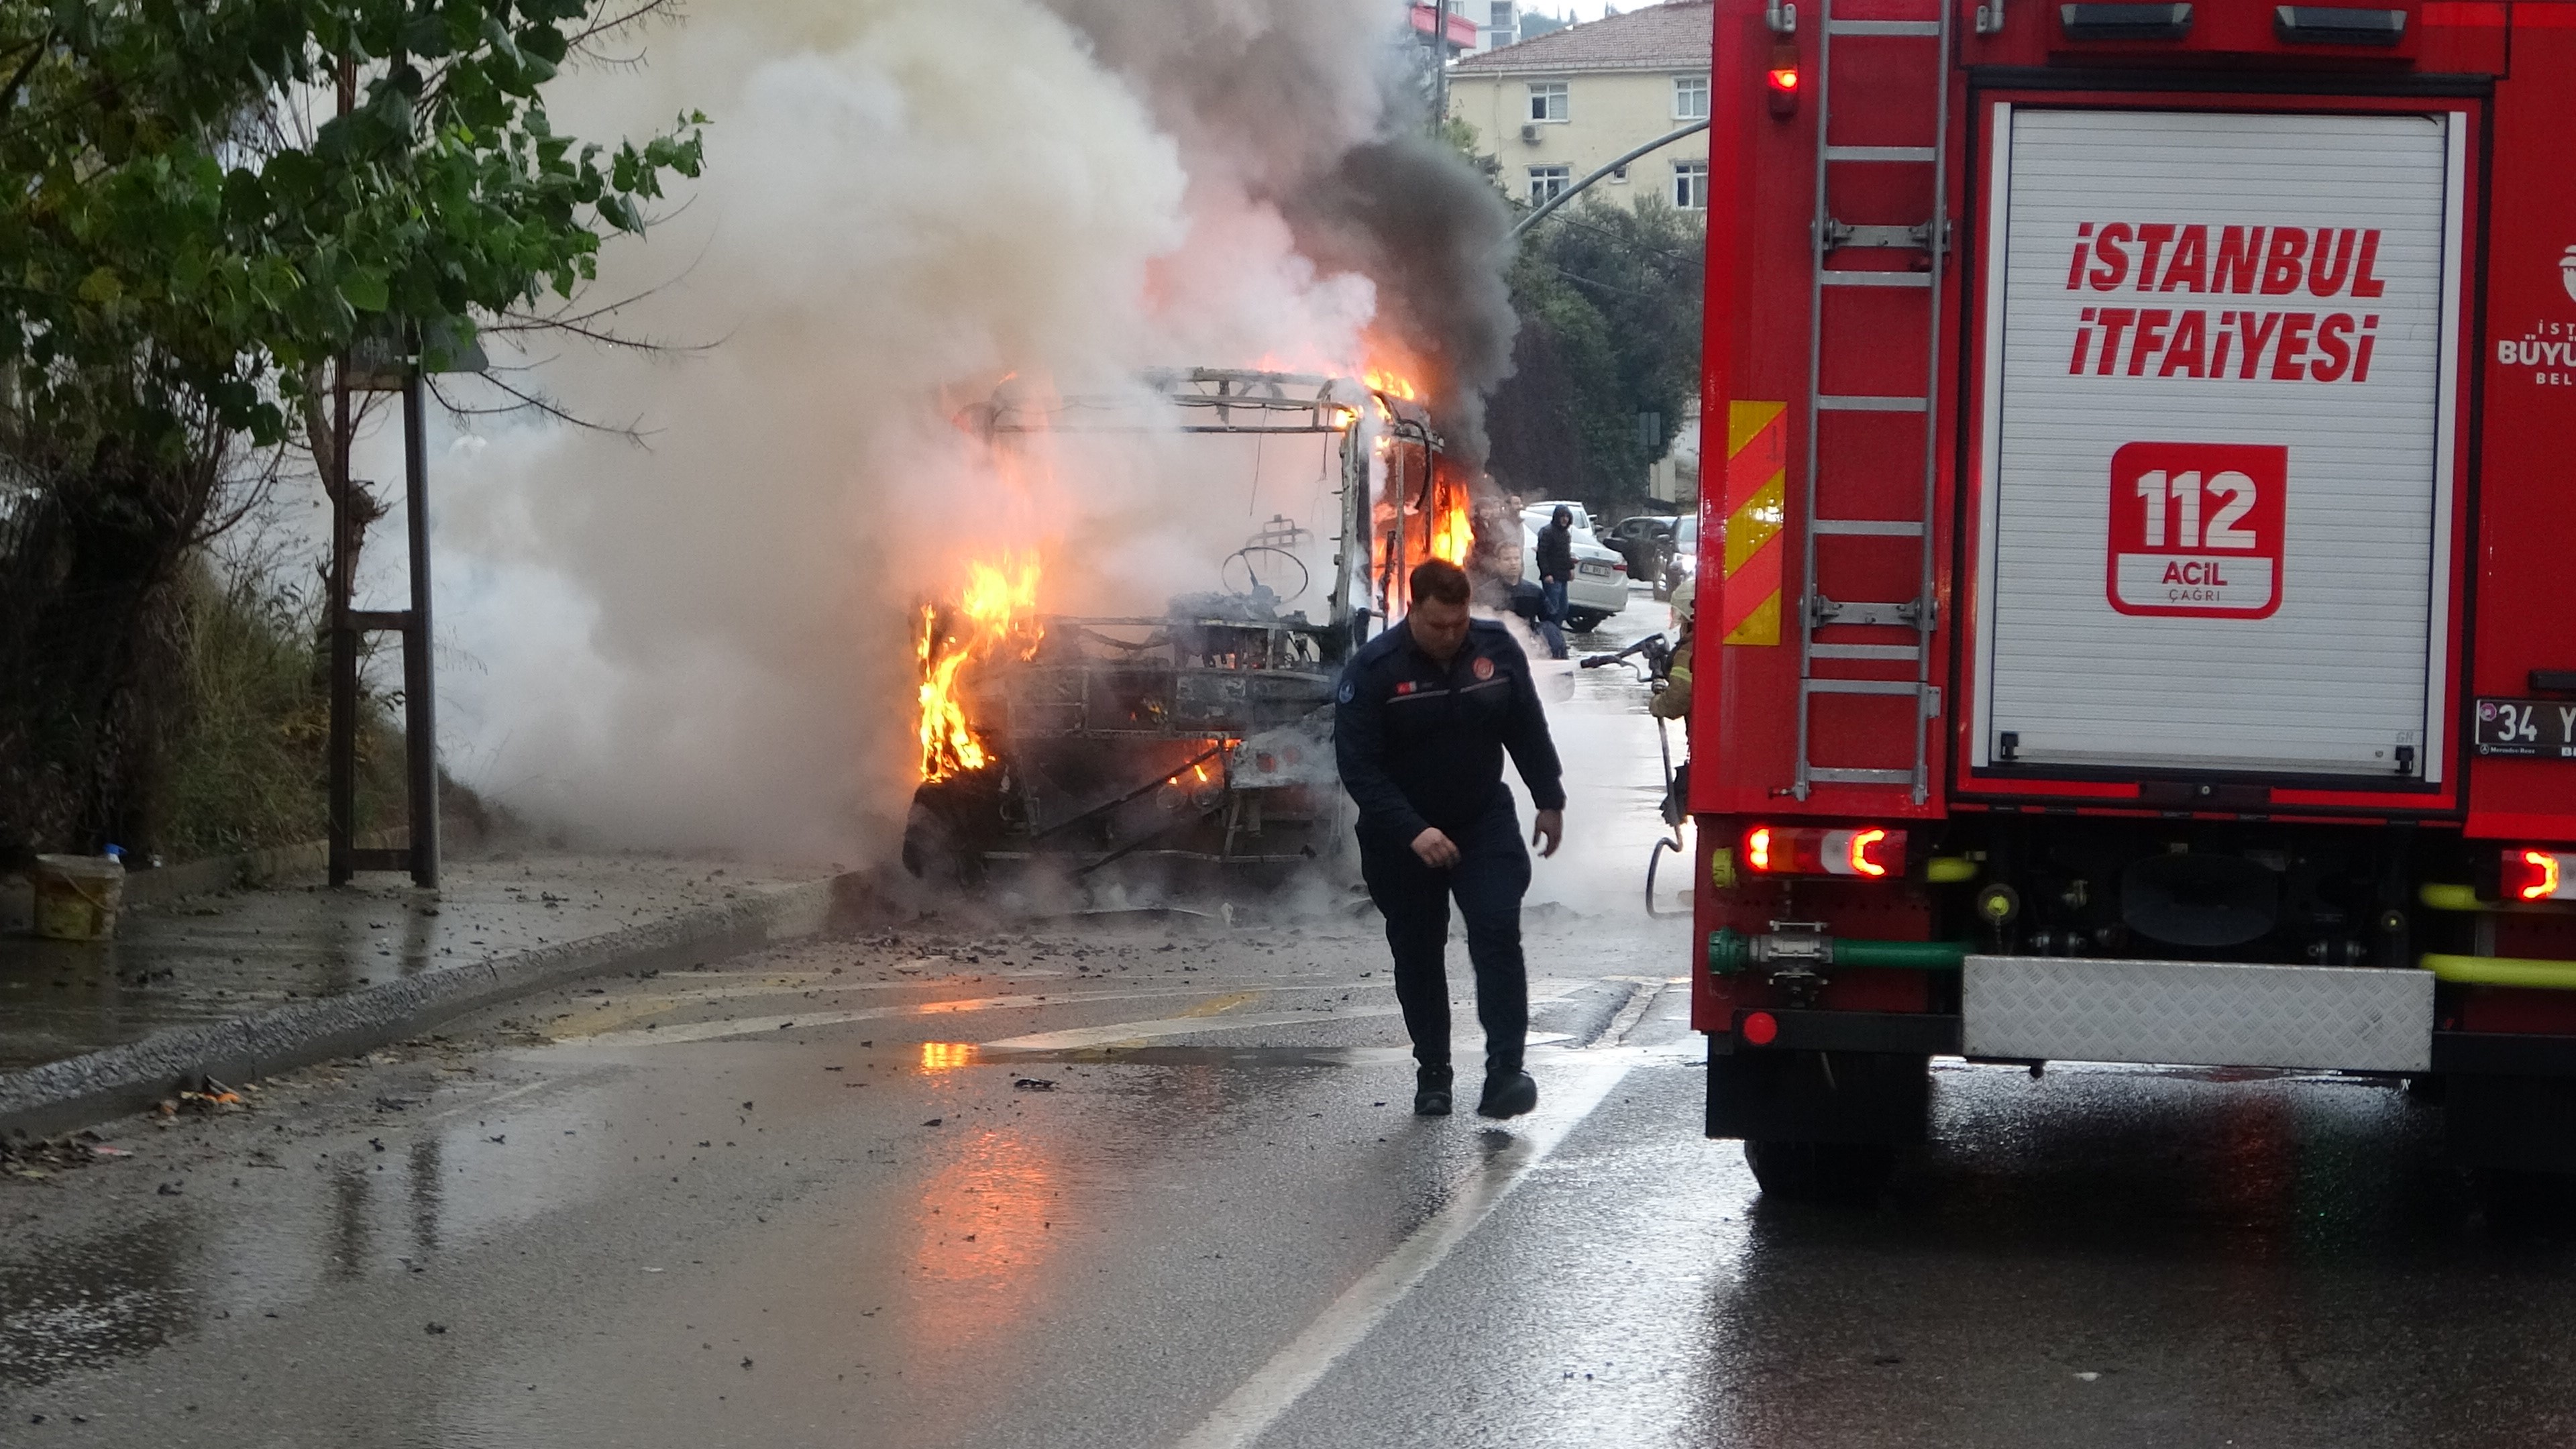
{"points": [[1529, 132]]}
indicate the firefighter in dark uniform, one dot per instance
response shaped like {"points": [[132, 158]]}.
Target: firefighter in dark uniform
{"points": [[1427, 710]]}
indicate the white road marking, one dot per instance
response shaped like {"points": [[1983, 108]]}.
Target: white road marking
{"points": [[482, 1104], [1118, 1033], [1126, 1031], [1276, 1386], [754, 1025]]}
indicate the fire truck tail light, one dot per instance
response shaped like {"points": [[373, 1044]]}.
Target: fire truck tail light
{"points": [[1870, 852], [1859, 855], [1781, 80], [2539, 875]]}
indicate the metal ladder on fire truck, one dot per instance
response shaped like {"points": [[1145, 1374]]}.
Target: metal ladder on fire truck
{"points": [[1817, 612]]}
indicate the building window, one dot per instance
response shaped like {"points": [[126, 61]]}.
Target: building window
{"points": [[1690, 185], [1690, 97], [1547, 100], [1547, 183]]}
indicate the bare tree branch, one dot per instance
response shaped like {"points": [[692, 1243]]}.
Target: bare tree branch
{"points": [[536, 402]]}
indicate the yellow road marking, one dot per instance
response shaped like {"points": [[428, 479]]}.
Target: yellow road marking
{"points": [[1214, 1005]]}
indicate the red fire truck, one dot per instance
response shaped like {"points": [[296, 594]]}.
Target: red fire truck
{"points": [[2138, 618]]}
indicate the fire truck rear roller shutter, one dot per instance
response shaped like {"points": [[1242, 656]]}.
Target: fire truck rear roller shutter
{"points": [[2335, 678]]}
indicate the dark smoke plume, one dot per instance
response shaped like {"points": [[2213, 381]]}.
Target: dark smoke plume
{"points": [[1408, 213], [1268, 90]]}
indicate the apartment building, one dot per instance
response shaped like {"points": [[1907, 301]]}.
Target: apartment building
{"points": [[1555, 108]]}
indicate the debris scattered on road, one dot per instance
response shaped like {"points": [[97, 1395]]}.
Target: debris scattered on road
{"points": [[214, 1100], [1033, 1084], [436, 1327], [44, 1156], [935, 1121]]}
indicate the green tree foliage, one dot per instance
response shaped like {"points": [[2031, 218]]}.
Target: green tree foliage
{"points": [[1610, 304], [191, 231]]}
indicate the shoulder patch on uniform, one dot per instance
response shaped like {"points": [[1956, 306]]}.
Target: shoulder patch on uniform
{"points": [[1483, 667], [1346, 692]]}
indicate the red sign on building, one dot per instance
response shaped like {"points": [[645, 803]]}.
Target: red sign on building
{"points": [[1461, 30]]}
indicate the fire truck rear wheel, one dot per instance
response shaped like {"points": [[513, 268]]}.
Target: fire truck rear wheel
{"points": [[1836, 1172], [2520, 1203]]}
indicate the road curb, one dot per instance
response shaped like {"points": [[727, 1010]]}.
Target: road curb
{"points": [[79, 1091]]}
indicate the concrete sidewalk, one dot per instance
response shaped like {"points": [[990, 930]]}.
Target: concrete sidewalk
{"points": [[243, 983]]}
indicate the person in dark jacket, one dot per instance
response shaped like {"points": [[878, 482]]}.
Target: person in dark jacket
{"points": [[1555, 571], [1427, 710]]}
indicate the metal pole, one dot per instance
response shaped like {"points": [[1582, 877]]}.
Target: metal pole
{"points": [[341, 748], [340, 745], [1439, 68], [1398, 557], [1354, 533], [420, 687]]}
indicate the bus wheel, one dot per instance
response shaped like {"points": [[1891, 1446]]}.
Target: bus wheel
{"points": [[935, 850]]}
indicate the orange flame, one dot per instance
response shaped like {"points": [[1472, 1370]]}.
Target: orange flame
{"points": [[1452, 533], [995, 609], [1381, 380]]}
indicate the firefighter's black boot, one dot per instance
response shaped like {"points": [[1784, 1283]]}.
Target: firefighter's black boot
{"points": [[1431, 1091], [1508, 1094]]}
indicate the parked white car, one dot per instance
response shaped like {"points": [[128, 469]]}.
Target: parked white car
{"points": [[1599, 587]]}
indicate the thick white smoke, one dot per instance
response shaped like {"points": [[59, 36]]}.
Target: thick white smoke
{"points": [[701, 640]]}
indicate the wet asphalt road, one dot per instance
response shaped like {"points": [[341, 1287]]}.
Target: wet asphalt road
{"points": [[658, 1216], [1147, 1180]]}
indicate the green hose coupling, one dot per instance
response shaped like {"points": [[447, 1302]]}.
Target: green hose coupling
{"points": [[1731, 951]]}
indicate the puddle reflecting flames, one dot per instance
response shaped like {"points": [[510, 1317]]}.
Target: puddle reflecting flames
{"points": [[984, 1225], [947, 1056]]}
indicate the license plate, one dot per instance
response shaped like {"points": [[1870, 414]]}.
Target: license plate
{"points": [[1594, 571], [2534, 729]]}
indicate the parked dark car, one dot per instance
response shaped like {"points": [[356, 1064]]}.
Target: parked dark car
{"points": [[1647, 540]]}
